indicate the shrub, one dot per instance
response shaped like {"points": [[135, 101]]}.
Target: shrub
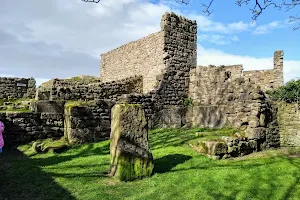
{"points": [[188, 102], [289, 93]]}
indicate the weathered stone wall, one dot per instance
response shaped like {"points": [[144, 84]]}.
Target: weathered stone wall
{"points": [[163, 59], [207, 84], [15, 88], [23, 127], [289, 124], [180, 46], [231, 101], [70, 90], [78, 121], [268, 79], [142, 57], [88, 121], [180, 42]]}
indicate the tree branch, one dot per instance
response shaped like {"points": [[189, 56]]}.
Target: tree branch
{"points": [[257, 9], [207, 7], [91, 1], [261, 5], [293, 19], [186, 2]]}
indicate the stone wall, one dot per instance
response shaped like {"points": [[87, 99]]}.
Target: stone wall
{"points": [[268, 79], [163, 59], [69, 90], [15, 88], [142, 57], [231, 101], [289, 124], [180, 45], [88, 121], [207, 84], [23, 127]]}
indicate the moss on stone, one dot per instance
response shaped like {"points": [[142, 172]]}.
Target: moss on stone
{"points": [[20, 105], [70, 104], [130, 168], [125, 164], [44, 146], [85, 79], [16, 111]]}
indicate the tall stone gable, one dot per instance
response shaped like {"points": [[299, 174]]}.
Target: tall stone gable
{"points": [[172, 49]]}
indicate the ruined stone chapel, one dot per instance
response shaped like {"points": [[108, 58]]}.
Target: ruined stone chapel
{"points": [[159, 72]]}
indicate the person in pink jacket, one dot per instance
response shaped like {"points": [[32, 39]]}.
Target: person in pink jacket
{"points": [[1, 137]]}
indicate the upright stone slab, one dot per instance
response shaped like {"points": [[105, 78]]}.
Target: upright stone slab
{"points": [[131, 157], [87, 121]]}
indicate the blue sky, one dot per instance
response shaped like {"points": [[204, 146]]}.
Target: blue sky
{"points": [[259, 44], [47, 39]]}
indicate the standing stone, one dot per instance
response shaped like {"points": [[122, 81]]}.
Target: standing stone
{"points": [[131, 157]]}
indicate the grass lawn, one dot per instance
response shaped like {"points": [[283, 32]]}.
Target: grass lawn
{"points": [[180, 173]]}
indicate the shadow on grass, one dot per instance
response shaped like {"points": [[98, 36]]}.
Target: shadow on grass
{"points": [[89, 150], [22, 179], [166, 163], [292, 188], [162, 138], [253, 179]]}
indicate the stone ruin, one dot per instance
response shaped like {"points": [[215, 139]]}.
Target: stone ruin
{"points": [[131, 157], [160, 73]]}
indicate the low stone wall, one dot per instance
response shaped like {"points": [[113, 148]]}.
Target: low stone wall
{"points": [[24, 127], [87, 121], [78, 121], [62, 90], [268, 79], [15, 88], [289, 124]]}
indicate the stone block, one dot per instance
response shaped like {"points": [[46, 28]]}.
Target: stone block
{"points": [[131, 157], [47, 106], [255, 133], [213, 148]]}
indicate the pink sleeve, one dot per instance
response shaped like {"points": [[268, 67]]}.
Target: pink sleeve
{"points": [[1, 136], [1, 141]]}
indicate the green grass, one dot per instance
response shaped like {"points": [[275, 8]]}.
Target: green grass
{"points": [[17, 105], [180, 173]]}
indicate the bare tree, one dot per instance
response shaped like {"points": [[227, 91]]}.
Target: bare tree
{"points": [[257, 8]]}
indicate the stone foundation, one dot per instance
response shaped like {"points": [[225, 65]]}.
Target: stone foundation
{"points": [[87, 121], [24, 127]]}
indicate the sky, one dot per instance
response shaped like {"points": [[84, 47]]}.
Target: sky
{"points": [[65, 38]]}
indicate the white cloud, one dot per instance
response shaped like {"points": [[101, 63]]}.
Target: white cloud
{"points": [[217, 39], [48, 39], [207, 25], [267, 28]]}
